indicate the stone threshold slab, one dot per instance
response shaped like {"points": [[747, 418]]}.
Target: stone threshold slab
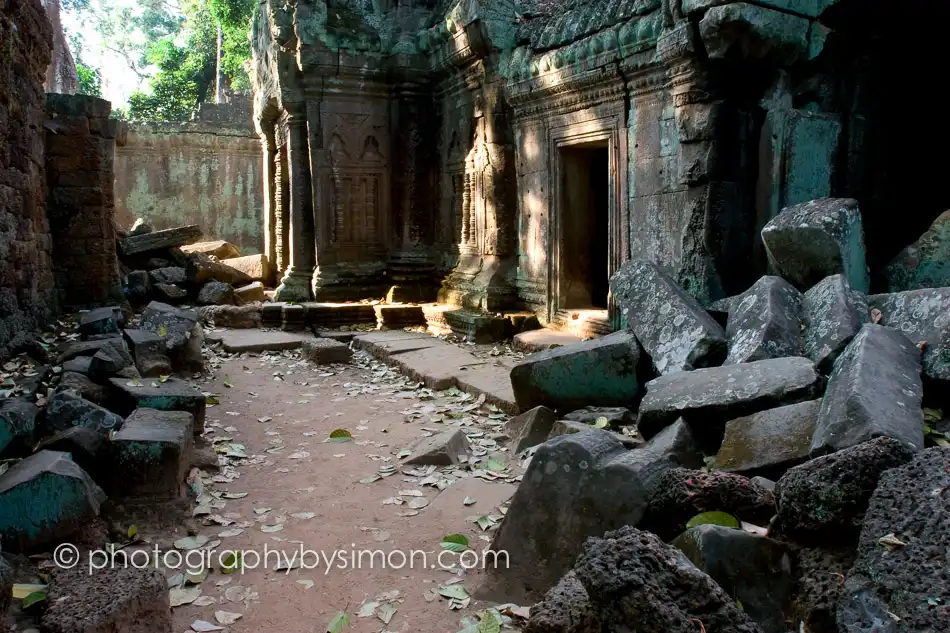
{"points": [[252, 340], [441, 365]]}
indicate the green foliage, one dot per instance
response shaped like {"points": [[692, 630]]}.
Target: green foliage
{"points": [[90, 81]]}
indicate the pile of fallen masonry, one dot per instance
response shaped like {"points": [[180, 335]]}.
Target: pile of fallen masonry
{"points": [[780, 479], [117, 426], [172, 266]]}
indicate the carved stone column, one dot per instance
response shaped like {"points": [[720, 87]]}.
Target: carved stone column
{"points": [[269, 151], [295, 285]]}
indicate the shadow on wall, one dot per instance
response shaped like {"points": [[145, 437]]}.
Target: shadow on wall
{"points": [[201, 172]]}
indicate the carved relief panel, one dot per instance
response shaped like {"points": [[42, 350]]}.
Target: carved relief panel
{"points": [[352, 177]]}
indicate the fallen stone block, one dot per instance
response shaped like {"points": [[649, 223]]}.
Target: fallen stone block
{"points": [[171, 395], [180, 330], [752, 33], [874, 390], [576, 486], [242, 317], [603, 371], [254, 266], [765, 322], [83, 348], [151, 455], [566, 608], [443, 449], [116, 598], [168, 275], [822, 502], [569, 427], [769, 442], [216, 248], [216, 293], [45, 498], [677, 333], [17, 425], [101, 321], [756, 571], [293, 318], [617, 417], [111, 359], [542, 339], [708, 398], [66, 409], [202, 269], [817, 239], [530, 428], [88, 448], [79, 365], [677, 441], [924, 317], [901, 566], [632, 576], [477, 327], [149, 350], [83, 386], [155, 263], [170, 292], [138, 285], [926, 262], [324, 351], [251, 293], [833, 315], [158, 240], [682, 494]]}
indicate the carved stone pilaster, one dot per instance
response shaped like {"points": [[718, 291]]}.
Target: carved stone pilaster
{"points": [[295, 285], [269, 160]]}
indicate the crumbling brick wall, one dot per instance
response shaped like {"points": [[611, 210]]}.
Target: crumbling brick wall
{"points": [[80, 153], [27, 296]]}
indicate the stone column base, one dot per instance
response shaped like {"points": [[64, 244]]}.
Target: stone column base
{"points": [[481, 282], [295, 286]]}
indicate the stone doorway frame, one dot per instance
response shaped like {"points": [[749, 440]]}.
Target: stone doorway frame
{"points": [[612, 129]]}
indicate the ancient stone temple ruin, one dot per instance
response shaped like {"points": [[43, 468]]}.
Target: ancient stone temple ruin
{"points": [[510, 154]]}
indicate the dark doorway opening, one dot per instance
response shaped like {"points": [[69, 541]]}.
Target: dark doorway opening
{"points": [[585, 222]]}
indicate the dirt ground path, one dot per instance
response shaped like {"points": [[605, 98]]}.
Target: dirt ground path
{"points": [[281, 410]]}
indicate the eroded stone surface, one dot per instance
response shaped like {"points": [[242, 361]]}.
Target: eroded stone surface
{"points": [[17, 424], [617, 417], [673, 328], [632, 576], [817, 239], [682, 494], [158, 240], [324, 351], [180, 330], [910, 502], [566, 608], [151, 455], [823, 500], [216, 293], [218, 248], [530, 428], [874, 390], [765, 322], [171, 395], [708, 398], [833, 315], [66, 409], [603, 371], [43, 498], [443, 449], [924, 317]]}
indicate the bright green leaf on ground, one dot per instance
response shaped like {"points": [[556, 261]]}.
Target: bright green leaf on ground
{"points": [[340, 435], [457, 543], [133, 531], [33, 598], [454, 592], [339, 621], [714, 518], [601, 423]]}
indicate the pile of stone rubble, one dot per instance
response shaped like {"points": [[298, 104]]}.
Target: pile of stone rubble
{"points": [[780, 479], [173, 267], [115, 425]]}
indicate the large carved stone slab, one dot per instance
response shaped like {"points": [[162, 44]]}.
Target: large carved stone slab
{"points": [[924, 317], [708, 398], [811, 241], [673, 328], [765, 322], [874, 390]]}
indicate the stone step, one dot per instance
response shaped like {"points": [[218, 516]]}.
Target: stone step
{"points": [[333, 315], [172, 395], [151, 455], [254, 341], [441, 365], [398, 316]]}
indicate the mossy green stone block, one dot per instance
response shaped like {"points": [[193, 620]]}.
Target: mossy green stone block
{"points": [[172, 395]]}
